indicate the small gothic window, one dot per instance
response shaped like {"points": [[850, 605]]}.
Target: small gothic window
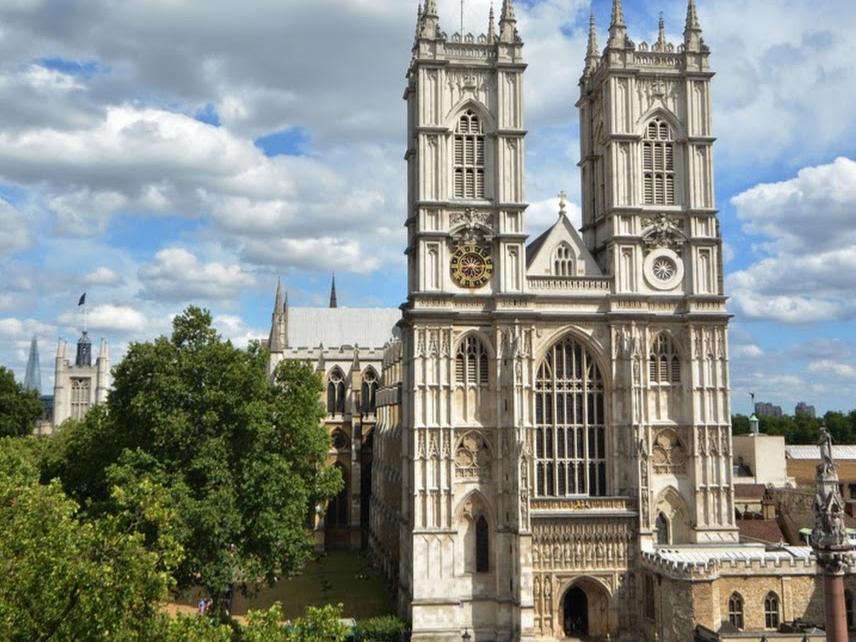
{"points": [[664, 362], [563, 262], [471, 362], [469, 157], [771, 611], [658, 164], [482, 545], [662, 527], [735, 610], [336, 393], [369, 391]]}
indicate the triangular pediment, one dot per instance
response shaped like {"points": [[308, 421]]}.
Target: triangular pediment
{"points": [[561, 241]]}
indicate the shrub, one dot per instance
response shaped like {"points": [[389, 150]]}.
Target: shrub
{"points": [[386, 628]]}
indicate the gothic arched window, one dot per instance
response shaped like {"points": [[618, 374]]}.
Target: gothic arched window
{"points": [[369, 391], [658, 163], [80, 392], [471, 362], [570, 423], [735, 610], [664, 361], [469, 157], [662, 527], [336, 392], [482, 545], [563, 261], [771, 611]]}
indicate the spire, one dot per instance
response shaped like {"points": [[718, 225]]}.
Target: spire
{"points": [[591, 49], [692, 31], [491, 26], [33, 377], [507, 22], [617, 28], [661, 38], [103, 352], [277, 339], [277, 303], [333, 302], [429, 22]]}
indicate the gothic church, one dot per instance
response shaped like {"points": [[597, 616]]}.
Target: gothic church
{"points": [[543, 449]]}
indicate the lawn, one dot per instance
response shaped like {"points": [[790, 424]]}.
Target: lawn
{"points": [[338, 576]]}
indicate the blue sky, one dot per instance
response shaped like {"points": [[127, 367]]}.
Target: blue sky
{"points": [[156, 154]]}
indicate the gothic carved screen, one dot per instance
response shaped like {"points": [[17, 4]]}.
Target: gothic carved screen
{"points": [[658, 164], [80, 395], [570, 432], [469, 157]]}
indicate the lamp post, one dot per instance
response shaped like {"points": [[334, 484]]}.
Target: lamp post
{"points": [[466, 637], [830, 541]]}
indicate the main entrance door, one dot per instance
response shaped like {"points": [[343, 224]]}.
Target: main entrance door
{"points": [[576, 613]]}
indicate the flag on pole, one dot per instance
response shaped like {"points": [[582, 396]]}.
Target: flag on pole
{"points": [[82, 300]]}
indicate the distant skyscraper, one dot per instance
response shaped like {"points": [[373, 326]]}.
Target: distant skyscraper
{"points": [[803, 409], [33, 378], [766, 409]]}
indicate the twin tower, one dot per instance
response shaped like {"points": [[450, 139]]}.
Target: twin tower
{"points": [[554, 410]]}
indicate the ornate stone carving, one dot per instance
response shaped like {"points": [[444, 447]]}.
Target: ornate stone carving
{"points": [[829, 537], [562, 545], [669, 454], [472, 456], [663, 230]]}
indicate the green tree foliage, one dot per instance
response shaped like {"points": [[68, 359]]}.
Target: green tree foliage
{"points": [[19, 408], [801, 429], [195, 426], [65, 578], [384, 628]]}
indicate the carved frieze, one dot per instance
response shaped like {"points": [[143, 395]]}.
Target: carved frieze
{"points": [[669, 453]]}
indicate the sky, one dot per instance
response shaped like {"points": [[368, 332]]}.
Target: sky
{"points": [[157, 153]]}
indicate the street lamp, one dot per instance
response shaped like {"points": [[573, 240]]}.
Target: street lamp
{"points": [[466, 637]]}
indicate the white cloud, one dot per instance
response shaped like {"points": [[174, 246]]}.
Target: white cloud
{"points": [[110, 318], [14, 234], [835, 368], [810, 225], [177, 275], [236, 330], [103, 276]]}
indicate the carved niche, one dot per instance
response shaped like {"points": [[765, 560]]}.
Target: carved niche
{"points": [[669, 454]]}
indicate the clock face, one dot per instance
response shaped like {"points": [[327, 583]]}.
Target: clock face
{"points": [[472, 266]]}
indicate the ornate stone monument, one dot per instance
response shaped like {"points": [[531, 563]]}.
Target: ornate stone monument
{"points": [[830, 540]]}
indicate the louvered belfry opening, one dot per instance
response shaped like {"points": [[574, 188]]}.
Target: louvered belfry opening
{"points": [[658, 164], [471, 362], [664, 361], [570, 423], [469, 157]]}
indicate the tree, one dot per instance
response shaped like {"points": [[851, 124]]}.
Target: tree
{"points": [[65, 578], [19, 408], [243, 458]]}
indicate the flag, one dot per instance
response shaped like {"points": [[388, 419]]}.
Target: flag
{"points": [[82, 300]]}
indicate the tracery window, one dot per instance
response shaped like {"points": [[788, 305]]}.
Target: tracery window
{"points": [[563, 262], [471, 362], [735, 610], [570, 423], [336, 392], [369, 391], [658, 163], [771, 611], [664, 361], [482, 545], [80, 391], [469, 157]]}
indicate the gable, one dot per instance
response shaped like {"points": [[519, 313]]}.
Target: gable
{"points": [[542, 253]]}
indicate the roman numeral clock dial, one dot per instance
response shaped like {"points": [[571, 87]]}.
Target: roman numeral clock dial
{"points": [[472, 266]]}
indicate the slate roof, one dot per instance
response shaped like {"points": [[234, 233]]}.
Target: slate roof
{"points": [[813, 452], [336, 327], [760, 530], [749, 491]]}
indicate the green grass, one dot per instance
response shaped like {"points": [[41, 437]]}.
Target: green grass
{"points": [[331, 579]]}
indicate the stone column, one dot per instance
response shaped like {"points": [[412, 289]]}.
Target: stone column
{"points": [[830, 541]]}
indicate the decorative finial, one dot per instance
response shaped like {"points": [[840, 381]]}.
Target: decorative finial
{"points": [[507, 22], [562, 203], [429, 23], [661, 39], [491, 26], [692, 31], [592, 48], [333, 302], [617, 28]]}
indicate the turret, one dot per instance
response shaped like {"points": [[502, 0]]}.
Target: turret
{"points": [[84, 351], [508, 23], [102, 373], [429, 22], [617, 29], [592, 54], [692, 31]]}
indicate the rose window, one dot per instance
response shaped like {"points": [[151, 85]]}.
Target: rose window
{"points": [[664, 268]]}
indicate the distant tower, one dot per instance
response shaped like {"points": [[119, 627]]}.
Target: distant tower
{"points": [[333, 302], [33, 378], [80, 386]]}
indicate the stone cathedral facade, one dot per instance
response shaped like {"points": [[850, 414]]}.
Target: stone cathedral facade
{"points": [[550, 438]]}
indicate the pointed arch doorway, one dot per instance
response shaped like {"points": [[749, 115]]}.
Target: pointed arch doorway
{"points": [[575, 613]]}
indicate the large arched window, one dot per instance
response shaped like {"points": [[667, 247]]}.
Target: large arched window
{"points": [[471, 362], [482, 545], [570, 431], [735, 610], [664, 361], [658, 163], [771, 611], [336, 392], [563, 261], [369, 391], [469, 157]]}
